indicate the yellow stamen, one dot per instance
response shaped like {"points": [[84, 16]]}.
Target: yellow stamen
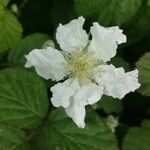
{"points": [[81, 66]]}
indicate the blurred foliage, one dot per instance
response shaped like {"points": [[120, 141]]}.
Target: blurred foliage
{"points": [[10, 29], [4, 2], [26, 121], [143, 66]]}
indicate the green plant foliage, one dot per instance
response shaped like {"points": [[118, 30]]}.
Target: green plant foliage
{"points": [[35, 16], [143, 66], [138, 26], [12, 139], [61, 133], [16, 56], [108, 11], [138, 138], [148, 2], [85, 8], [109, 105], [59, 11], [4, 2], [10, 29], [23, 98], [120, 62], [28, 119]]}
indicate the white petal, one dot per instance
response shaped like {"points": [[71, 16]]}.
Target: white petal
{"points": [[118, 35], [62, 93], [105, 41], [77, 113], [48, 63], [71, 36], [115, 81], [88, 94], [132, 78]]}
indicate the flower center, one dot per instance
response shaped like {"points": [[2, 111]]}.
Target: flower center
{"points": [[81, 66]]}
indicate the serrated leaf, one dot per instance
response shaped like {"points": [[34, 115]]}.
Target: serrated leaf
{"points": [[138, 138], [12, 139], [16, 56], [59, 132], [143, 65], [10, 29], [109, 105], [23, 98], [108, 11], [4, 2]]}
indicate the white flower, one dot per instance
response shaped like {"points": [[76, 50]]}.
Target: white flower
{"points": [[82, 62]]}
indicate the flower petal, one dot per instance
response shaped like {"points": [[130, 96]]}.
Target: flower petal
{"points": [[77, 113], [88, 94], [115, 81], [62, 93], [105, 41], [71, 36], [48, 63]]}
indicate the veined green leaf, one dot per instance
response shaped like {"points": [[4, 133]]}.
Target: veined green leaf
{"points": [[23, 98], [108, 11], [12, 139], [138, 26], [59, 132]]}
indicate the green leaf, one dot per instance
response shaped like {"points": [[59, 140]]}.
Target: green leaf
{"points": [[120, 62], [10, 30], [143, 65], [59, 132], [4, 2], [16, 56], [118, 11], [109, 105], [138, 138], [87, 8], [146, 123], [148, 2], [23, 98], [138, 26], [12, 139], [108, 11]]}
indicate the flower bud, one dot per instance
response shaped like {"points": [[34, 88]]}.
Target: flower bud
{"points": [[14, 8], [48, 43], [112, 123]]}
